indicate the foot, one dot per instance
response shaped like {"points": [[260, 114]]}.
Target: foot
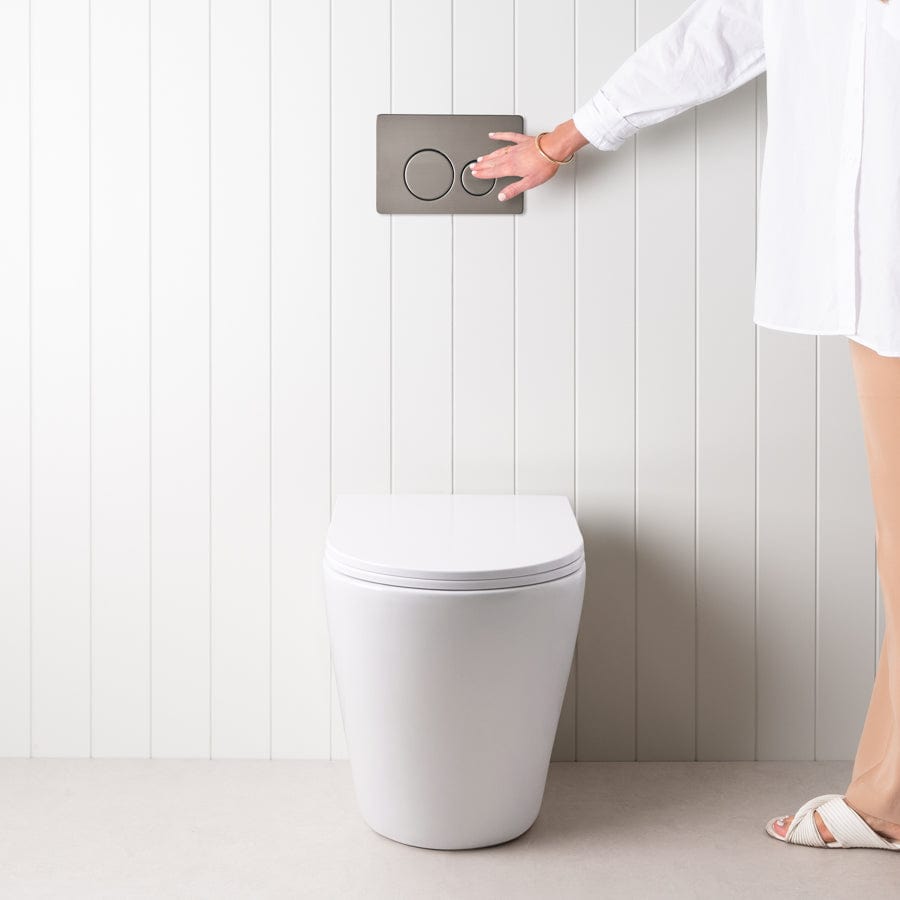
{"points": [[780, 826]]}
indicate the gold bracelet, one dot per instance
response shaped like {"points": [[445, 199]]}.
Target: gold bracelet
{"points": [[558, 162]]}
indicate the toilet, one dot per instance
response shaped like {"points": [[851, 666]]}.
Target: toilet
{"points": [[452, 620]]}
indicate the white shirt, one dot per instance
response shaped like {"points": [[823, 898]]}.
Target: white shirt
{"points": [[828, 233]]}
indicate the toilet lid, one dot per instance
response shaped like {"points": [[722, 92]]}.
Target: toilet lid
{"points": [[454, 541]]}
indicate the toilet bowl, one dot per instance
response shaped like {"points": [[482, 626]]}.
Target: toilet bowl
{"points": [[452, 620]]}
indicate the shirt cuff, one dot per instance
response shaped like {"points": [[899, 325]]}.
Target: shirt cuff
{"points": [[602, 124]]}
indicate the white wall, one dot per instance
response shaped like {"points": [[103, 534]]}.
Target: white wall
{"points": [[206, 332]]}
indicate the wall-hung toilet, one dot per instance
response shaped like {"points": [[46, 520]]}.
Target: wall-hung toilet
{"points": [[452, 620]]}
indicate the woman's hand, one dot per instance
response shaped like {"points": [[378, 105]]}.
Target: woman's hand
{"points": [[522, 157]]}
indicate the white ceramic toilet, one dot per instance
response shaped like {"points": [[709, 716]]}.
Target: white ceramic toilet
{"points": [[452, 620]]}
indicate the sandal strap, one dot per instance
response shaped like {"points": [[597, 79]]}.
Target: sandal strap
{"points": [[851, 829], [846, 825], [802, 829]]}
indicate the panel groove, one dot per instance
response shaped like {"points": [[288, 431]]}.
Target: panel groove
{"points": [[90, 290], [150, 377], [575, 360], [30, 725], [636, 141], [210, 358], [757, 173], [817, 532], [330, 321], [269, 339], [696, 560], [452, 270], [391, 250], [635, 350], [515, 271]]}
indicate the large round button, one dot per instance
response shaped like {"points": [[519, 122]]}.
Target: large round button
{"points": [[428, 174], [477, 187]]}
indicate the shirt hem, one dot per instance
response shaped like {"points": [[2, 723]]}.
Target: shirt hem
{"points": [[881, 351]]}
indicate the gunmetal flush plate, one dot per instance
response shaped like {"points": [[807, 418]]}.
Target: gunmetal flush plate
{"points": [[423, 164]]}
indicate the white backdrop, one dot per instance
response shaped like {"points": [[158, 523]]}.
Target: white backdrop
{"points": [[206, 332]]}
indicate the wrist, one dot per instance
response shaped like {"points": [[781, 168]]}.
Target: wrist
{"points": [[564, 140]]}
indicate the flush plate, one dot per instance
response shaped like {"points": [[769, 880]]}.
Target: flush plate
{"points": [[422, 164]]}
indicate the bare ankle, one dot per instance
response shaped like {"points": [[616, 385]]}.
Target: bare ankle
{"points": [[882, 826]]}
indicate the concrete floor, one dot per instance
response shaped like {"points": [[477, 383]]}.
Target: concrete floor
{"points": [[222, 829]]}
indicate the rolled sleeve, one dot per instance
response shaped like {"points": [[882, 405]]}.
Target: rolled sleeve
{"points": [[602, 124], [712, 48]]}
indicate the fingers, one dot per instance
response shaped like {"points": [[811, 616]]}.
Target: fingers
{"points": [[525, 183], [499, 164], [508, 136], [503, 166], [492, 168], [494, 157], [515, 188], [501, 152], [503, 161]]}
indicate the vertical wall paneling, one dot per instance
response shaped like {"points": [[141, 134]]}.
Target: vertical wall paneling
{"points": [[14, 382], [545, 289], [845, 612], [421, 268], [120, 376], [301, 502], [604, 282], [240, 413], [665, 457], [360, 262], [60, 380], [179, 274], [207, 333], [483, 267], [726, 426]]}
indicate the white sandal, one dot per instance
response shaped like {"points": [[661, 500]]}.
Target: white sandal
{"points": [[847, 826]]}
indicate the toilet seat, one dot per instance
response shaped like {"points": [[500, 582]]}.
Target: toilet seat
{"points": [[454, 541]]}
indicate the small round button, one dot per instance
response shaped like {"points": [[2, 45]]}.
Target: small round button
{"points": [[428, 174], [477, 187]]}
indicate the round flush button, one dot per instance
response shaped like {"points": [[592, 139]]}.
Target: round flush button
{"points": [[477, 187], [428, 174]]}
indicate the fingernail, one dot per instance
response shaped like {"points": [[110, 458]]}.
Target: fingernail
{"points": [[502, 197], [472, 166], [480, 158], [490, 134]]}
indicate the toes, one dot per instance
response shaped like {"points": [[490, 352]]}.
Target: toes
{"points": [[780, 826]]}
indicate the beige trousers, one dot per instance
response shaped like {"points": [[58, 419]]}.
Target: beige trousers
{"points": [[875, 783]]}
